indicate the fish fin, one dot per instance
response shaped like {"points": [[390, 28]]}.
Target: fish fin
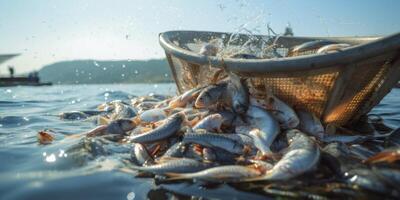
{"points": [[103, 120], [96, 131], [175, 176], [215, 77], [389, 156], [127, 171]]}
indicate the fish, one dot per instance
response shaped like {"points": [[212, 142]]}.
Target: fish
{"points": [[360, 152], [286, 116], [170, 127], [238, 93], [209, 155], [302, 155], [332, 48], [122, 111], [244, 56], [152, 115], [176, 150], [267, 128], [119, 126], [310, 124], [73, 115], [226, 173], [140, 155], [211, 95], [44, 137], [388, 156], [183, 99], [173, 165], [209, 139], [209, 50], [212, 122], [308, 46]]}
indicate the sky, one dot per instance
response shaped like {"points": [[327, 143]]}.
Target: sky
{"points": [[48, 31]]}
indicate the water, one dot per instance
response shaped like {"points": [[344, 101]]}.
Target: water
{"points": [[64, 170]]}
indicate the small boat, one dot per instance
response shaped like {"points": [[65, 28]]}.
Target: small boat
{"points": [[339, 87], [31, 80]]}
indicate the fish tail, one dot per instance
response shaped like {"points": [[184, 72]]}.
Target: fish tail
{"points": [[390, 157]]}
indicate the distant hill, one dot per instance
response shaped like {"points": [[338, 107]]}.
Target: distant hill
{"points": [[92, 71]]}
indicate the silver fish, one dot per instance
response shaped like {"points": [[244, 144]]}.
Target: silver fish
{"points": [[152, 115], [140, 156], [267, 128], [173, 165], [212, 122], [213, 140], [310, 124], [286, 116], [122, 111], [302, 155], [209, 50], [308, 46], [73, 115], [119, 126], [183, 99], [211, 95], [227, 173], [332, 48], [238, 93], [171, 125]]}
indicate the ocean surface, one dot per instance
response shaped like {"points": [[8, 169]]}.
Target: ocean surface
{"points": [[66, 169]]}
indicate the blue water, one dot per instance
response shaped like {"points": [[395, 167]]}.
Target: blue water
{"points": [[64, 170]]}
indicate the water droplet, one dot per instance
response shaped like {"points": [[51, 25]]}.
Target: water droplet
{"points": [[96, 64], [155, 86], [8, 91], [166, 75], [104, 68], [123, 75], [136, 71], [130, 196], [51, 158], [44, 154], [123, 66], [73, 101], [106, 94]]}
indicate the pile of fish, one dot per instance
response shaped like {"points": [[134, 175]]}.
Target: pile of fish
{"points": [[218, 133]]}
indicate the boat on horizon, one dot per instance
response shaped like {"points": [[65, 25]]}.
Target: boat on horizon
{"points": [[31, 80]]}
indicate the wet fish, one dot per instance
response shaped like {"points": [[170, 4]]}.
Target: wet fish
{"points": [[310, 124], [332, 48], [183, 99], [119, 126], [212, 122], [176, 150], [309, 46], [171, 126], [213, 140], [227, 173], [286, 116], [173, 165], [122, 111], [153, 115], [238, 93], [140, 155], [73, 115], [211, 95], [302, 155], [360, 152], [266, 126], [209, 50]]}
